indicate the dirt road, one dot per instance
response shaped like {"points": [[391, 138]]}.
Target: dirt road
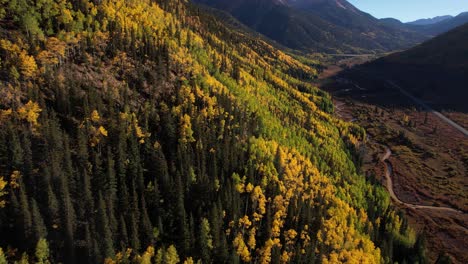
{"points": [[389, 185], [429, 109]]}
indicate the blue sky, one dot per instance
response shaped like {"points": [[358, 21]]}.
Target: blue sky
{"points": [[410, 10]]}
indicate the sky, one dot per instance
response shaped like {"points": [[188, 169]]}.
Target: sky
{"points": [[410, 10]]}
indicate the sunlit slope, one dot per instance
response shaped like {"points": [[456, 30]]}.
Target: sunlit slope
{"points": [[150, 131]]}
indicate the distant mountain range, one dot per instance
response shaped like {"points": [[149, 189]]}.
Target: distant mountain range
{"points": [[429, 21], [331, 26], [429, 27]]}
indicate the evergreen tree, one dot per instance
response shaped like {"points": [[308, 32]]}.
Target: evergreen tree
{"points": [[133, 233], [39, 229], [146, 227], [53, 207], [26, 218], [182, 227], [111, 191], [123, 236], [16, 151], [205, 240], [105, 235], [67, 211]]}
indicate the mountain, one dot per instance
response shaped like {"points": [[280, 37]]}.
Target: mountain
{"points": [[429, 29], [430, 21], [445, 25], [318, 25], [143, 131], [391, 22], [447, 50], [436, 71]]}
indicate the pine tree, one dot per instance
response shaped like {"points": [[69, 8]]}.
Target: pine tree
{"points": [[39, 229], [134, 233], [25, 212], [111, 191], [205, 240], [16, 151], [123, 236], [84, 184], [104, 232], [53, 207], [27, 158], [182, 226], [67, 208], [159, 165], [121, 170], [146, 227]]}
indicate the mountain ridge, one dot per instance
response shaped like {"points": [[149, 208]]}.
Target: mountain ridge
{"points": [[319, 25], [430, 21], [446, 25]]}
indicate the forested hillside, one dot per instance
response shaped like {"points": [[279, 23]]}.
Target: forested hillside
{"points": [[138, 131]]}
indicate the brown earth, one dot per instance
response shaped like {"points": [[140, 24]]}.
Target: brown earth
{"points": [[430, 161]]}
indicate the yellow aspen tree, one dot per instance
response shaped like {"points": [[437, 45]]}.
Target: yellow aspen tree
{"points": [[245, 222], [3, 192], [259, 200], [171, 256], [189, 261], [186, 132], [95, 117], [3, 259], [241, 248], [28, 66], [146, 258], [30, 112], [252, 242]]}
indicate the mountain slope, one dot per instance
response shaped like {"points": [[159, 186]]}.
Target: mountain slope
{"points": [[449, 50], [436, 70], [148, 132], [323, 25]]}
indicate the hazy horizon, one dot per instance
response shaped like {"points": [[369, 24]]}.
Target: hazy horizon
{"points": [[414, 10]]}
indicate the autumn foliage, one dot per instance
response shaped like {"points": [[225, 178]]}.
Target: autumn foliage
{"points": [[138, 131]]}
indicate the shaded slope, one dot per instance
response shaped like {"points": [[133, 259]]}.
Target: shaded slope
{"points": [[321, 25], [436, 71]]}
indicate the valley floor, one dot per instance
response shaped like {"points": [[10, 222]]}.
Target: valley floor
{"points": [[429, 161]]}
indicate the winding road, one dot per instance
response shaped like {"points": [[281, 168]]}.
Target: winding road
{"points": [[350, 55], [389, 185]]}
